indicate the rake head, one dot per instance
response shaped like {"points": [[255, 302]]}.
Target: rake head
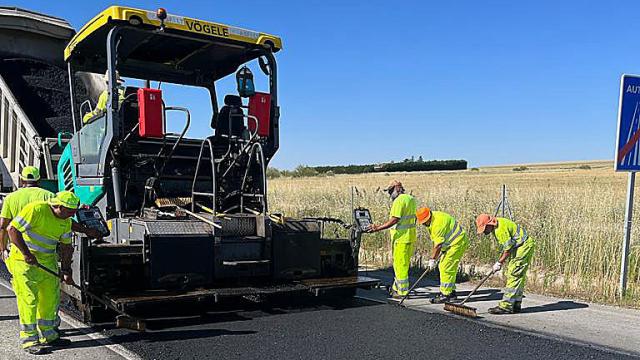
{"points": [[460, 309]]}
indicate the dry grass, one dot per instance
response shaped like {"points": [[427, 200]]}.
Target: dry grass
{"points": [[576, 216]]}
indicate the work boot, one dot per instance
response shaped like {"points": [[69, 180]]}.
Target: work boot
{"points": [[35, 350], [442, 298], [395, 295], [517, 307], [500, 311], [59, 342]]}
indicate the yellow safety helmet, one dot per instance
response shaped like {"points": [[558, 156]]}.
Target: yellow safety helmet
{"points": [[66, 199], [30, 173]]}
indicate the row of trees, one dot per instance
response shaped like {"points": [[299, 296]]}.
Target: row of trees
{"points": [[406, 165]]}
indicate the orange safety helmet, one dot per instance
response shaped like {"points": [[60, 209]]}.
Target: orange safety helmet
{"points": [[423, 215], [483, 220]]}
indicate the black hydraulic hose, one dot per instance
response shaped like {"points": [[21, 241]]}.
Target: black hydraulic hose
{"points": [[182, 134]]}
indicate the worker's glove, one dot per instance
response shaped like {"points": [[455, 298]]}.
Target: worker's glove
{"points": [[431, 264], [497, 266], [5, 255]]}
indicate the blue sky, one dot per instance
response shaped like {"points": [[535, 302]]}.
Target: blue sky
{"points": [[492, 82]]}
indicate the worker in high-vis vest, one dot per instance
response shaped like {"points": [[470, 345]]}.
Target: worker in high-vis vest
{"points": [[517, 247], [450, 241], [29, 192], [17, 200], [101, 106], [35, 233], [402, 225]]}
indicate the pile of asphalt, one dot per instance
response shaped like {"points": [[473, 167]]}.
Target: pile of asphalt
{"points": [[42, 90]]}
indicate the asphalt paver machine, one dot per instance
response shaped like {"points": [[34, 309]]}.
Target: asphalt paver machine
{"points": [[186, 219]]}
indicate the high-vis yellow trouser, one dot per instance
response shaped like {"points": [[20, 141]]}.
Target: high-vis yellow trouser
{"points": [[449, 263], [402, 253], [517, 274], [38, 297]]}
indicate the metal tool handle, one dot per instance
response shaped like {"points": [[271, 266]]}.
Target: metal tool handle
{"points": [[95, 297], [420, 278], [477, 287], [98, 299], [46, 269]]}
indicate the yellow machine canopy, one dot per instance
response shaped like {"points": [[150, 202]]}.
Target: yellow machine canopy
{"points": [[179, 50]]}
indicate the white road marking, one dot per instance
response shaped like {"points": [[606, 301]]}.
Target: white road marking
{"points": [[99, 338]]}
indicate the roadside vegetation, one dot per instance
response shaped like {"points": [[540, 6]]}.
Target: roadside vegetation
{"points": [[406, 165], [575, 213]]}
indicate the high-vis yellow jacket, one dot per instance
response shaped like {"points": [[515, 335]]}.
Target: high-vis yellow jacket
{"points": [[41, 231], [404, 208], [20, 198], [444, 229], [509, 234]]}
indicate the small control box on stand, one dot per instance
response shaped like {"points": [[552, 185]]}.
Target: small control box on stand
{"points": [[362, 217]]}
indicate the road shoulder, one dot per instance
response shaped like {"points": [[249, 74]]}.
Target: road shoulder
{"points": [[82, 347], [606, 327]]}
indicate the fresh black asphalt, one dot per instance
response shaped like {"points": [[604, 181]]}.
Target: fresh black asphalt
{"points": [[335, 329]]}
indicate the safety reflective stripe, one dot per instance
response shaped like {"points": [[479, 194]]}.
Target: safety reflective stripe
{"points": [[20, 220], [49, 334], [404, 225], [447, 285], [512, 300], [42, 239], [46, 322], [67, 235], [29, 339], [513, 290], [453, 234], [35, 247], [517, 240], [512, 295], [27, 327], [402, 285]]}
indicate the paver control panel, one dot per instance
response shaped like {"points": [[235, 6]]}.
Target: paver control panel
{"points": [[363, 218]]}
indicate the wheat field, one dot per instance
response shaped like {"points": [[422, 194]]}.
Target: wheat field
{"points": [[575, 211]]}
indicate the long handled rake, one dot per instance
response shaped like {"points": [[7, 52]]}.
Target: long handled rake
{"points": [[415, 284], [122, 320]]}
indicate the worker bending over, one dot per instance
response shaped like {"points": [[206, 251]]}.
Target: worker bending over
{"points": [[517, 247], [450, 240], [35, 234], [17, 200], [104, 97], [402, 224]]}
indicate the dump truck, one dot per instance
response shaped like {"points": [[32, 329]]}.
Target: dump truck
{"points": [[34, 94], [183, 219]]}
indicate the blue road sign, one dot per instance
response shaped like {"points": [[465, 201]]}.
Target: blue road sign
{"points": [[628, 141]]}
